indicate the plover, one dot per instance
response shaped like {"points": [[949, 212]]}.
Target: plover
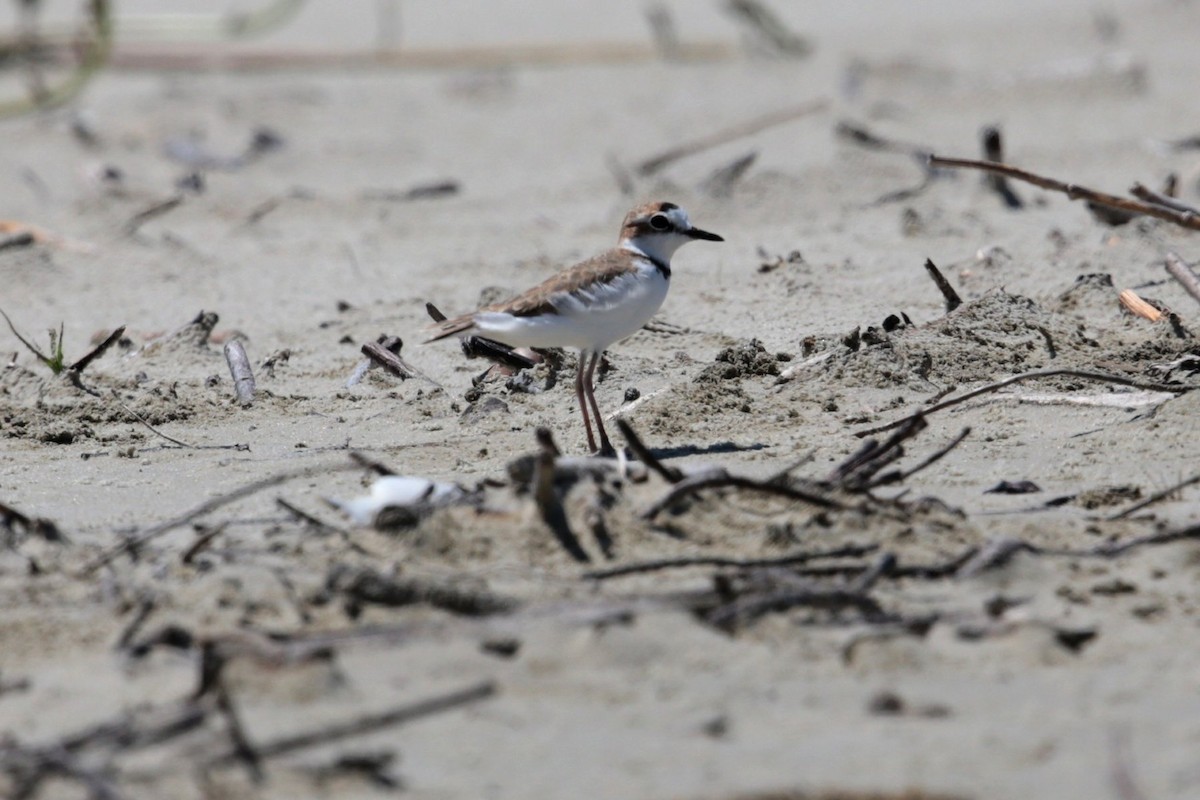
{"points": [[593, 304]]}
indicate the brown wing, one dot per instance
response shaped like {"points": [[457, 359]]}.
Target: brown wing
{"points": [[539, 300]]}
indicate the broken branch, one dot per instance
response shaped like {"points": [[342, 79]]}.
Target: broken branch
{"points": [[368, 723], [733, 133], [1181, 271], [1025, 376], [239, 370], [953, 301], [1073, 191]]}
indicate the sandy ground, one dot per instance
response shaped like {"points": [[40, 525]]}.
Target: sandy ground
{"points": [[1066, 670]]}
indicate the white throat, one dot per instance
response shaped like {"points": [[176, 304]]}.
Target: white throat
{"points": [[657, 247]]}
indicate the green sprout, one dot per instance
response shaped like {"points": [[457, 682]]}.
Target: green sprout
{"points": [[57, 360]]}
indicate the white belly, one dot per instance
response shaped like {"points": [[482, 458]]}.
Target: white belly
{"points": [[589, 319]]}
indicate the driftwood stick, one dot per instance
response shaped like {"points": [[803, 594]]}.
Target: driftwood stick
{"points": [[857, 472], [883, 565], [204, 538], [19, 239], [993, 150], [156, 210], [172, 439], [730, 134], [240, 371], [757, 604], [133, 542], [953, 301], [381, 355], [1181, 271], [718, 477], [1134, 304], [643, 454], [720, 182], [863, 137], [366, 585], [549, 504], [1156, 497], [32, 526], [929, 461], [98, 350], [1113, 549], [1073, 191], [1150, 196], [1025, 376], [802, 557], [240, 747], [366, 462], [367, 724]]}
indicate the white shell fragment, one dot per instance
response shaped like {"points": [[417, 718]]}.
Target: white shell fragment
{"points": [[392, 491]]}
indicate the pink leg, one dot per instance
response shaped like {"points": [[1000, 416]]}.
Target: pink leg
{"points": [[580, 395], [589, 388]]}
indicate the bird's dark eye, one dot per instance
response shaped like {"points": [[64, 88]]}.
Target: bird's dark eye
{"points": [[660, 222]]}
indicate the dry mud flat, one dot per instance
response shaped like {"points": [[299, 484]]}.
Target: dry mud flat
{"points": [[778, 609]]}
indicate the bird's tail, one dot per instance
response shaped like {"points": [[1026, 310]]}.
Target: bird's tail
{"points": [[450, 327]]}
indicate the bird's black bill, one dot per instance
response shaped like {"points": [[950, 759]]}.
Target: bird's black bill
{"points": [[696, 233]]}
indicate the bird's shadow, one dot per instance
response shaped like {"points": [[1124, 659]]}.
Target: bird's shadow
{"points": [[715, 448]]}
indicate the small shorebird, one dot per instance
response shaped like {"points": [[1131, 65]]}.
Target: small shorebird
{"points": [[593, 304]]}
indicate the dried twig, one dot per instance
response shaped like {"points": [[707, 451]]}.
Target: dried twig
{"points": [[385, 353], [32, 526], [549, 504], [240, 371], [863, 137], [97, 351], [953, 301], [1134, 304], [424, 191], [993, 150], [156, 210], [643, 454], [366, 462], [755, 604], [757, 125], [1156, 497], [240, 747], [307, 518], [1150, 196], [768, 29], [1119, 548], [1073, 191], [204, 538], [139, 418], [30, 766], [134, 542], [662, 28], [146, 606], [720, 183], [718, 477], [15, 240], [802, 557], [1181, 271], [857, 473], [365, 585], [368, 723], [898, 476], [1025, 376]]}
